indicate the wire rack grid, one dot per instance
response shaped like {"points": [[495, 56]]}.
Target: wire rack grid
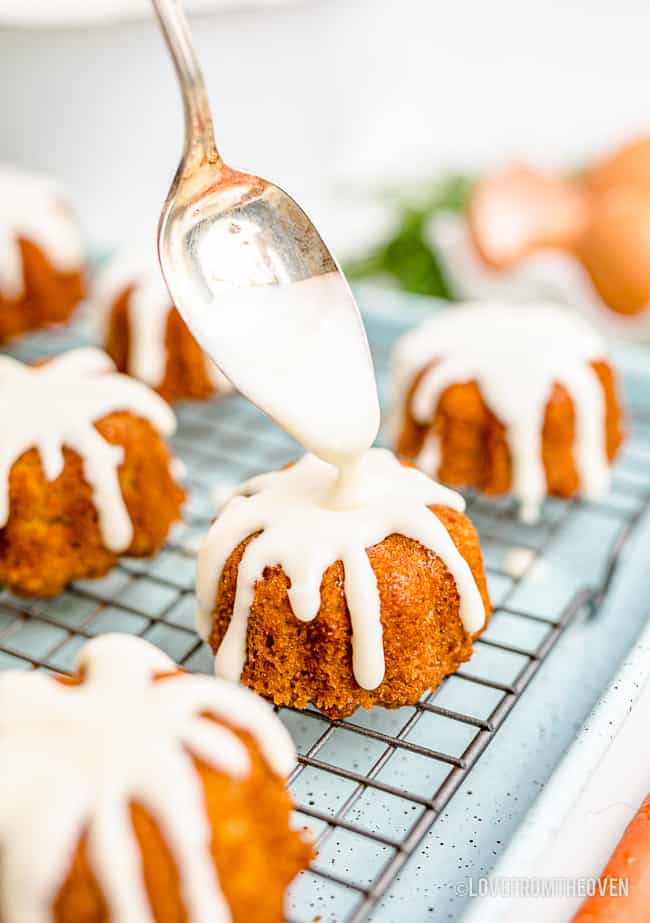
{"points": [[369, 787]]}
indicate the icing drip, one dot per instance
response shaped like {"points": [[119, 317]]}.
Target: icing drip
{"points": [[303, 532], [54, 405], [516, 353], [428, 458], [118, 738], [32, 207], [148, 309]]}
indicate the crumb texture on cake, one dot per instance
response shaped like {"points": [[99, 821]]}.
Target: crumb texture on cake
{"points": [[371, 603], [508, 397], [170, 805], [144, 333], [41, 253], [85, 474]]}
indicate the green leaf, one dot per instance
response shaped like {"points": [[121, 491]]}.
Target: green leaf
{"points": [[407, 258]]}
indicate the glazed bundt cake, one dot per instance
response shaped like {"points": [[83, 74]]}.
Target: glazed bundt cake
{"points": [[145, 335], [85, 474], [133, 791], [508, 398], [372, 601], [41, 254]]}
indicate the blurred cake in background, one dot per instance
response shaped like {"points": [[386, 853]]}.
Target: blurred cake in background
{"points": [[145, 335], [581, 240], [508, 398], [41, 253]]}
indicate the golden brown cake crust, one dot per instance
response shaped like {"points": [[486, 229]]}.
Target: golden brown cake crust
{"points": [[256, 854], [49, 295], [295, 663], [185, 376], [52, 535], [473, 446]]}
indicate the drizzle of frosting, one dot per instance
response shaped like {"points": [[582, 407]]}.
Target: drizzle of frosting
{"points": [[32, 207], [120, 737], [304, 533], [516, 353], [148, 310], [56, 404]]}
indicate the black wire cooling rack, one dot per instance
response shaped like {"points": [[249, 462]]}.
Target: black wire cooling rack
{"points": [[369, 787]]}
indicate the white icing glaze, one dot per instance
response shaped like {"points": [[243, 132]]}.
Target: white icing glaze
{"points": [[516, 353], [54, 405], [304, 533], [148, 309], [300, 353], [78, 756], [32, 207], [518, 560]]}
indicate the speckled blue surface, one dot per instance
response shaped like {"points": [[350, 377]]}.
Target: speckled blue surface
{"points": [[221, 442]]}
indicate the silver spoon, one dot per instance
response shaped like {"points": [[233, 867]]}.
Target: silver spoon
{"points": [[223, 231]]}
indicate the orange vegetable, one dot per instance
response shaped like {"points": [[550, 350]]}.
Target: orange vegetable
{"points": [[520, 210], [631, 861], [604, 220]]}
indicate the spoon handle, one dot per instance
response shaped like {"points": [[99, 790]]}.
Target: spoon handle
{"points": [[199, 133]]}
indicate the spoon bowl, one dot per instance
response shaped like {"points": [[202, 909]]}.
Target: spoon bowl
{"points": [[221, 227]]}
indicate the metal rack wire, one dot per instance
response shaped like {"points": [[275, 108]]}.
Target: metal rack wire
{"points": [[371, 786]]}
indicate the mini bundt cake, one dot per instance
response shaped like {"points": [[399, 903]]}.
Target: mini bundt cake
{"points": [[368, 602], [145, 335], [133, 791], [508, 398], [85, 474], [41, 254]]}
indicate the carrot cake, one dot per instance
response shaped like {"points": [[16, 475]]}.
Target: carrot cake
{"points": [[41, 254], [146, 336], [342, 595], [85, 473], [505, 398], [133, 791]]}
